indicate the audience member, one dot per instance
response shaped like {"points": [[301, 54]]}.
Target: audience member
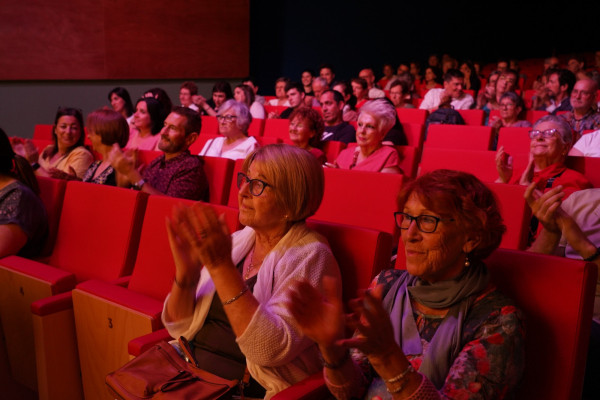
{"points": [[360, 90], [432, 78], [583, 101], [306, 128], [486, 99], [576, 65], [221, 92], [554, 97], [327, 72], [67, 157], [438, 329], [472, 81], [368, 75], [375, 120], [120, 101], [551, 139], [229, 292], [345, 89], [234, 119], [148, 120], [175, 173], [245, 94], [187, 91], [448, 63], [281, 98], [105, 128], [502, 65], [388, 77], [250, 81], [319, 85], [162, 97], [295, 95], [332, 105], [512, 112], [23, 221], [400, 94], [307, 79], [452, 93]]}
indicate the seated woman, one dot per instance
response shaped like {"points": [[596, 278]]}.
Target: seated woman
{"points": [[472, 81], [375, 119], [245, 94], [512, 113], [438, 329], [280, 96], [229, 292], [120, 101], [23, 221], [432, 80], [67, 158], [306, 128], [148, 121], [105, 128], [551, 139], [234, 119]]}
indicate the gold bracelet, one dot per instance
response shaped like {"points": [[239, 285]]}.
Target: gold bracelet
{"points": [[237, 296]]}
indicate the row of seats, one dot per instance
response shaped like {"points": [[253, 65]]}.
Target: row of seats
{"points": [[120, 263]]}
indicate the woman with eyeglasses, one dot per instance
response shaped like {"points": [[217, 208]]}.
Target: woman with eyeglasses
{"points": [[67, 158], [551, 138], [512, 114], [229, 292], [234, 119], [438, 329]]}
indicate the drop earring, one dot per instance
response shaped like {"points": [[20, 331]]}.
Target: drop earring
{"points": [[467, 261]]}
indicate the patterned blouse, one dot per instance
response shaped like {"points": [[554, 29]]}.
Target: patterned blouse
{"points": [[489, 366], [106, 177]]}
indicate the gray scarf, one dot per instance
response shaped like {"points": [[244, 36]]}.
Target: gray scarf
{"points": [[456, 294]]}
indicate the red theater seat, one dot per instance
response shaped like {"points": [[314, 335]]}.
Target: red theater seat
{"points": [[277, 128], [588, 166], [412, 115], [514, 140], [415, 134], [458, 137], [107, 316], [472, 117], [332, 149], [210, 125], [218, 171], [97, 238], [256, 128], [52, 193], [43, 132]]}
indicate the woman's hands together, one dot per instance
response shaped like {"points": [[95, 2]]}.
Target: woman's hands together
{"points": [[504, 165], [197, 237]]}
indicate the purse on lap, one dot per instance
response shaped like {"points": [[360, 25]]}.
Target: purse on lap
{"points": [[161, 373]]}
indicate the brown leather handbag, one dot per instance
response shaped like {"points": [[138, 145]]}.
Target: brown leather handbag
{"points": [[161, 373]]}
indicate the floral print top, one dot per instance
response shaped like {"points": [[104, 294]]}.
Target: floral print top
{"points": [[489, 366]]}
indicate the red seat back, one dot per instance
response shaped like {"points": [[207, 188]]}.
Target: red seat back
{"points": [[146, 156], [360, 198], [209, 125], [275, 109], [198, 145], [52, 194], [514, 140], [412, 115], [154, 267], [533, 115], [218, 171], [277, 128], [233, 191], [415, 134], [256, 128], [472, 117], [459, 137], [98, 232], [516, 214], [588, 166], [556, 295], [332, 149], [361, 253], [43, 132]]}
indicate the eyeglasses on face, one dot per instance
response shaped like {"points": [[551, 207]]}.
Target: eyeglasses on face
{"points": [[425, 223], [548, 133], [256, 186], [227, 118]]}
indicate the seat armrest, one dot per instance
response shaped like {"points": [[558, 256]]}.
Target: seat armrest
{"points": [[122, 281], [52, 304], [140, 344]]}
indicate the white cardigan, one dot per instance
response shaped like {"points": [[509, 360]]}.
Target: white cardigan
{"points": [[277, 354]]}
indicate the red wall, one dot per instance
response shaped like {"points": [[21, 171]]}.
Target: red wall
{"points": [[123, 39]]}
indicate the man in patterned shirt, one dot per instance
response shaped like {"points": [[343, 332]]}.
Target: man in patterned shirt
{"points": [[584, 116], [176, 173]]}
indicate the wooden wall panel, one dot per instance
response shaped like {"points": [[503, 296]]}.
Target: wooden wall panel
{"points": [[115, 39]]}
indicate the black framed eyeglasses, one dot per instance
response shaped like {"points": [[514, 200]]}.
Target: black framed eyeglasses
{"points": [[227, 118], [425, 223], [256, 186], [548, 133]]}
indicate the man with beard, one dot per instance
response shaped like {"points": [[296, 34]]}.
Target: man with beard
{"points": [[176, 173]]}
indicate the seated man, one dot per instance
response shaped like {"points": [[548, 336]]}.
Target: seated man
{"points": [[318, 85], [327, 72], [584, 116], [221, 92], [559, 84], [176, 173], [332, 104], [451, 93], [187, 92], [294, 92], [368, 75]]}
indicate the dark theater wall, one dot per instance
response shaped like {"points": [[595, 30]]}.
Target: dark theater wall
{"points": [[115, 39]]}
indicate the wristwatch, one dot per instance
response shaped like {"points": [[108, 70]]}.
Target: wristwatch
{"points": [[138, 185]]}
